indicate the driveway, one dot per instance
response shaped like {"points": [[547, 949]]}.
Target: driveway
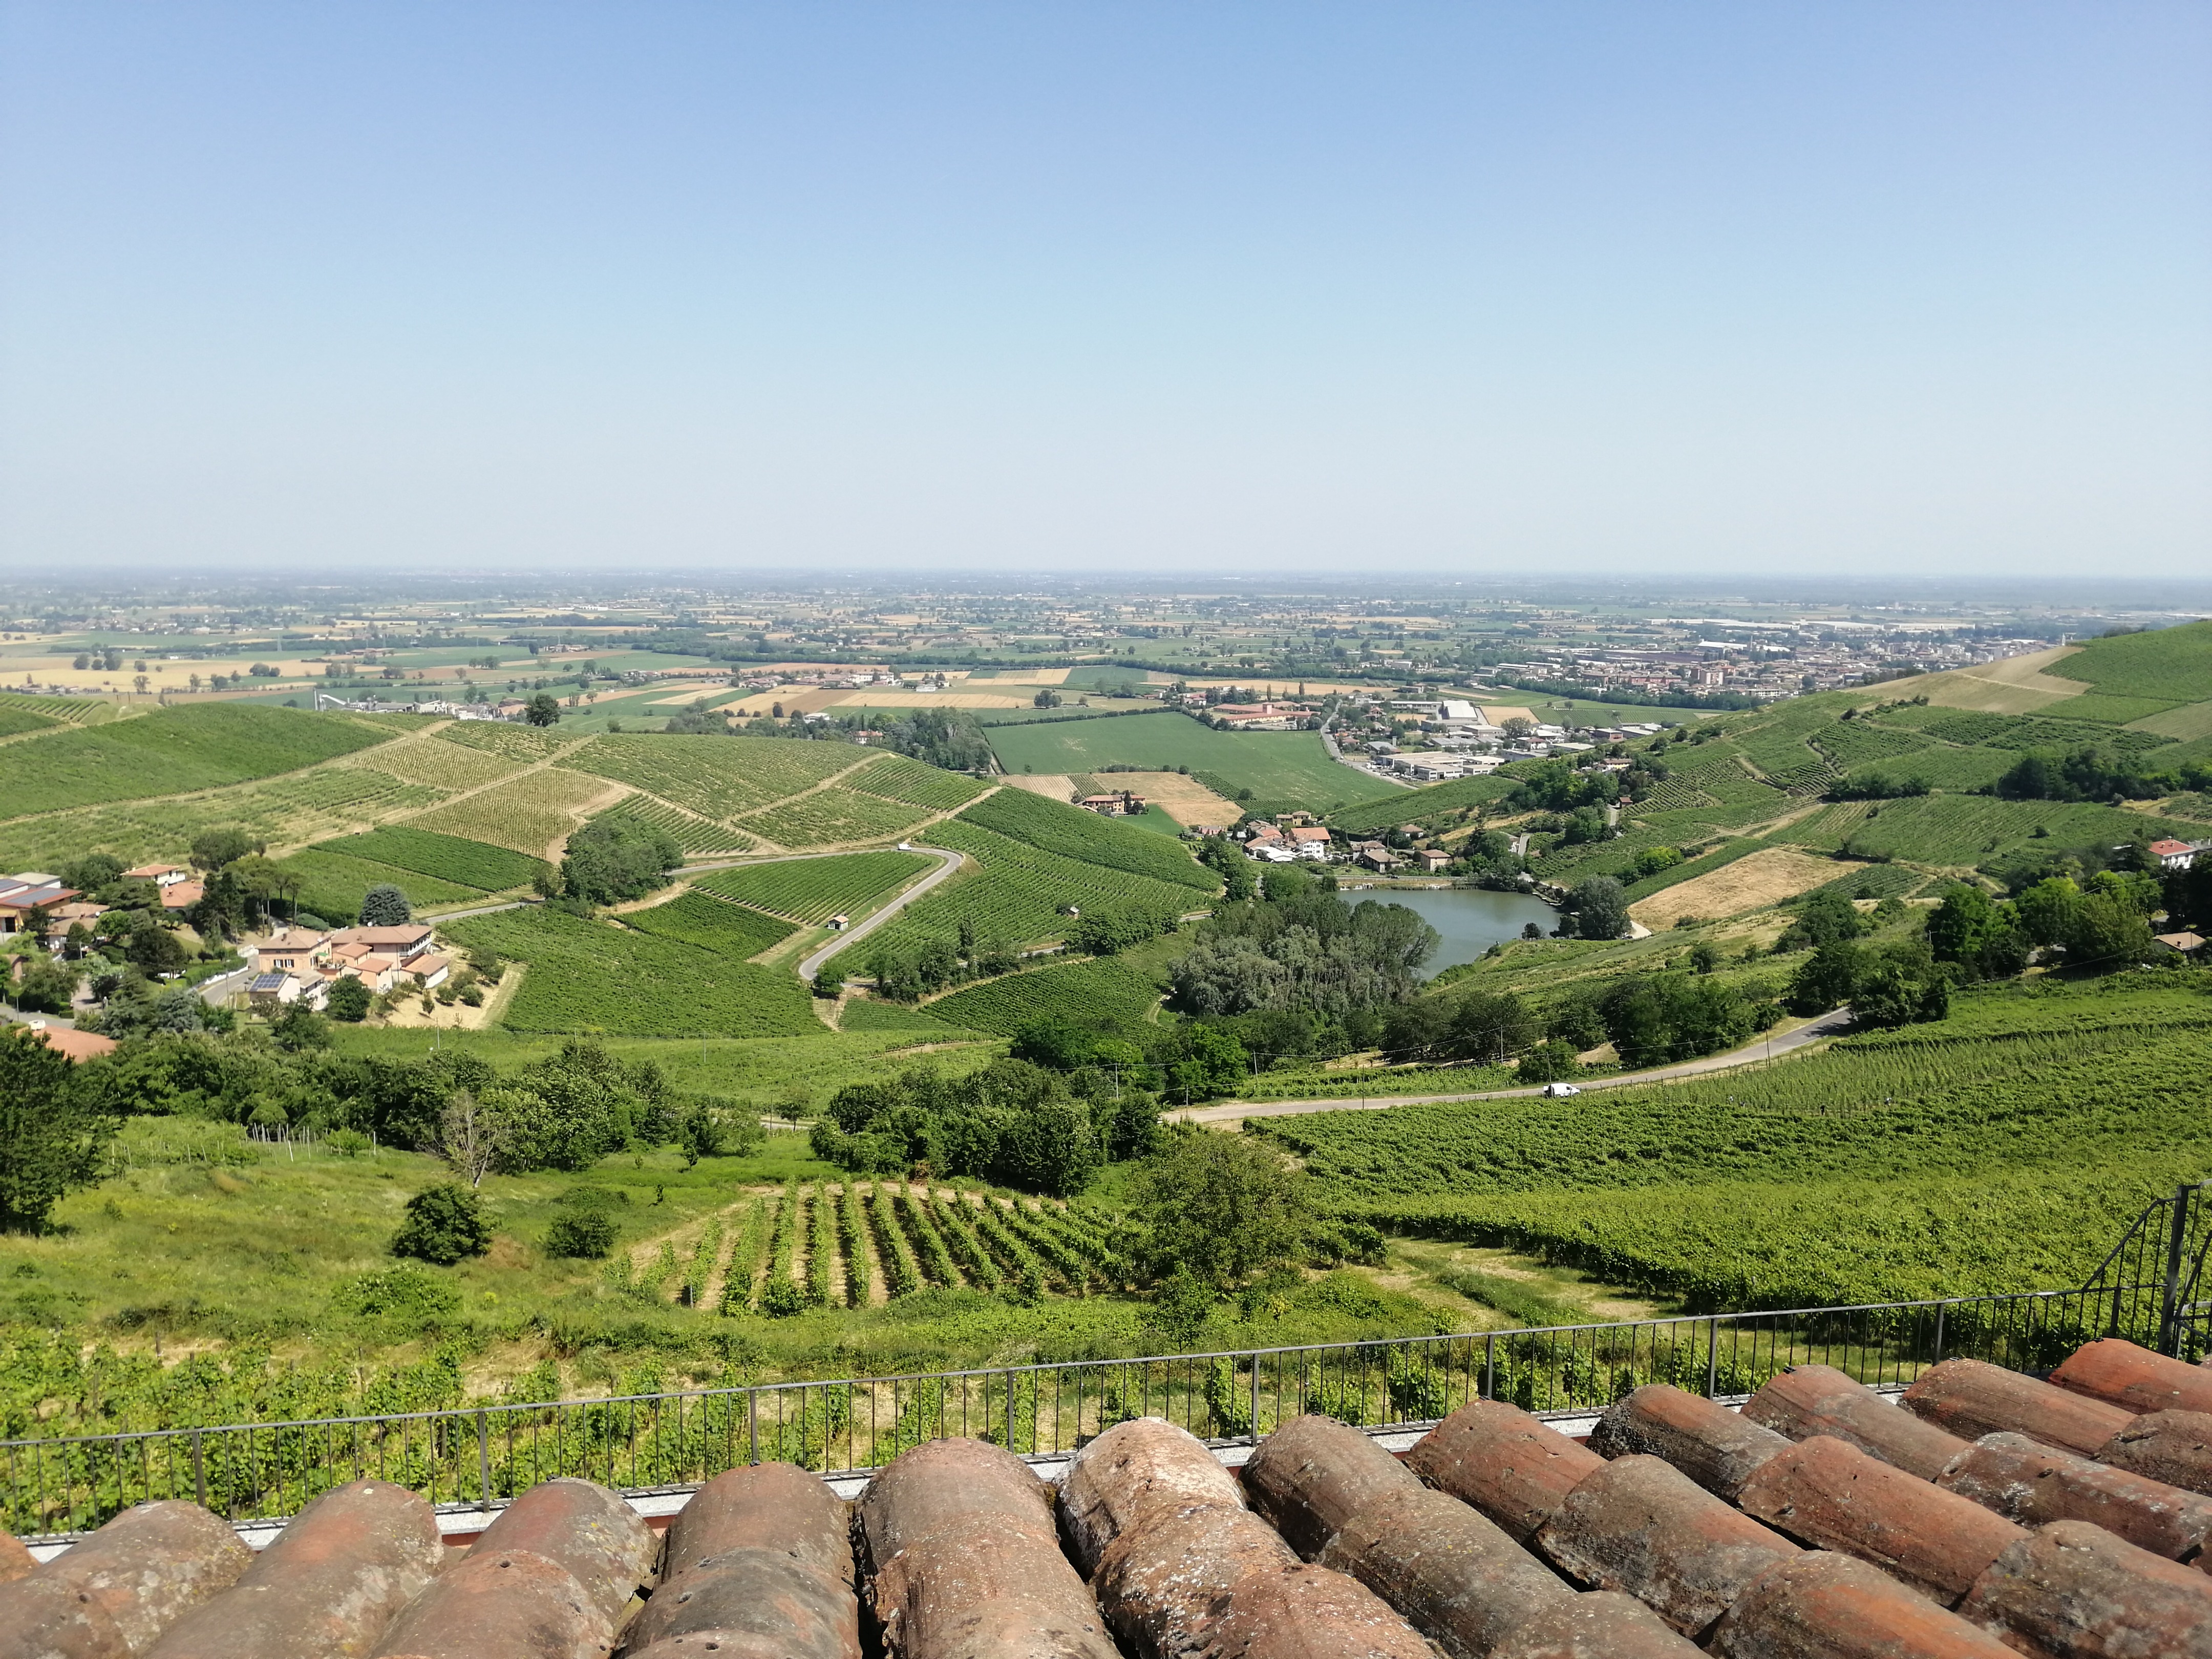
{"points": [[1768, 1047]]}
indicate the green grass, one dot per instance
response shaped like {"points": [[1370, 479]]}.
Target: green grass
{"points": [[815, 890], [448, 858], [1954, 770], [1960, 831], [1078, 993], [2166, 666], [1436, 807], [1017, 895], [2115, 711], [1286, 766], [714, 777], [833, 815], [586, 977], [334, 884], [14, 720], [1073, 832], [865, 1014], [711, 924], [168, 752], [896, 778]]}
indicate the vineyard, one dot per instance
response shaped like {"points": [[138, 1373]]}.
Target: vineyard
{"points": [[691, 832], [589, 977], [1957, 831], [1075, 833], [1079, 993], [169, 752], [1018, 894], [448, 858], [2167, 665], [527, 814], [332, 885], [445, 766], [812, 890], [1291, 767], [833, 814], [711, 924], [896, 778], [527, 743], [2001, 1149], [714, 777], [15, 721]]}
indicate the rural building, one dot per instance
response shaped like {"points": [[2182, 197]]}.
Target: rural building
{"points": [[404, 942], [1258, 834], [2174, 854], [2182, 943], [1431, 859], [287, 951], [269, 991], [1305, 836], [430, 971], [31, 891], [182, 895], [1119, 803], [1261, 716], [162, 875]]}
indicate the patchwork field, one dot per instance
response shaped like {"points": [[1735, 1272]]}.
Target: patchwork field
{"points": [[1185, 800], [167, 752], [1766, 877], [1078, 994], [833, 816], [532, 814], [711, 924], [1291, 767]]}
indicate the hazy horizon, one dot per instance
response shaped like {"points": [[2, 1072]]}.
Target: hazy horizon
{"points": [[1509, 292]]}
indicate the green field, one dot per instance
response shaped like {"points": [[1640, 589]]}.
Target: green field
{"points": [[714, 777], [14, 720], [332, 885], [1960, 831], [896, 778], [691, 832], [169, 752], [1073, 832], [711, 924], [520, 743], [448, 858], [1275, 766], [1079, 993], [815, 890], [589, 977], [1017, 895], [2004, 1149], [2166, 666], [832, 815]]}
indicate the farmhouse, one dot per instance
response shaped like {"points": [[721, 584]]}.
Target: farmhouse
{"points": [[21, 896], [182, 895], [1261, 716], [162, 875], [402, 943], [1119, 803], [2174, 854]]}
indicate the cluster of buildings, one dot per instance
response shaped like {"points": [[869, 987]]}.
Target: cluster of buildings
{"points": [[296, 964], [1469, 739]]}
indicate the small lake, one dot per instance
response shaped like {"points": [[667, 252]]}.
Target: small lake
{"points": [[1470, 919]]}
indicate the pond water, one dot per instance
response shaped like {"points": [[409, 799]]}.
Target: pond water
{"points": [[1470, 919]]}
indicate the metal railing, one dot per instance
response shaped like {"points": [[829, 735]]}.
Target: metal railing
{"points": [[480, 1455]]}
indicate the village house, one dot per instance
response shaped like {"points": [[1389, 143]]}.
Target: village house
{"points": [[162, 875], [1433, 858], [23, 895], [2174, 854], [1119, 803]]}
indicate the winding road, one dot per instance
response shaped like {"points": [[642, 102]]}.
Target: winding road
{"points": [[948, 862], [1813, 1030]]}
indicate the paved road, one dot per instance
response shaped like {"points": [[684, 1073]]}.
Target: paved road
{"points": [[949, 862], [1811, 1032]]}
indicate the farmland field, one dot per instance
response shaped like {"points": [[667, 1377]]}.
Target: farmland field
{"points": [[2167, 665], [1076, 834], [448, 858], [711, 924], [1955, 769], [714, 777], [896, 778], [528, 743], [691, 832], [169, 752], [831, 815], [1077, 994], [1018, 895], [14, 720], [333, 884], [586, 977], [866, 1014], [2006, 1157], [442, 765], [1957, 831], [814, 890], [1286, 766], [282, 811], [528, 814], [1761, 879]]}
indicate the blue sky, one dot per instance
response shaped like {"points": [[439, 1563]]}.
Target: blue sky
{"points": [[1480, 289]]}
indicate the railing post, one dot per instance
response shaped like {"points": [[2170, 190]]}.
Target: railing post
{"points": [[1712, 1357], [199, 1471], [752, 1424], [1255, 1400], [483, 1459], [1489, 1366], [1942, 1308], [2169, 1311]]}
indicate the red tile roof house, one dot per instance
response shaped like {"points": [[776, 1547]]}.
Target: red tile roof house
{"points": [[20, 895], [2174, 854], [1988, 1515]]}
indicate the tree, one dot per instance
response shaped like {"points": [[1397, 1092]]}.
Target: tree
{"points": [[471, 1136], [384, 906], [46, 986], [614, 858], [588, 1235], [2106, 931], [213, 848], [53, 1131], [348, 1001], [155, 951], [444, 1224], [1548, 1062], [2047, 910], [1047, 698], [1824, 918], [1221, 1206], [544, 709], [1601, 908], [1827, 979]]}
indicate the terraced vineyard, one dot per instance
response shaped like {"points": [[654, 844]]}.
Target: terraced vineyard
{"points": [[590, 977], [1958, 832], [896, 778], [812, 890], [448, 766], [448, 858], [333, 885], [714, 777], [687, 829], [168, 752], [1019, 893], [833, 815], [1077, 993], [711, 924], [1073, 832], [528, 743], [528, 814]]}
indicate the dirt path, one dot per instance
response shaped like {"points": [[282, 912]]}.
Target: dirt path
{"points": [[1752, 1053]]}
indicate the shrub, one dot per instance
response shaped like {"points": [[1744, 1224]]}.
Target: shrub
{"points": [[586, 1236], [445, 1223], [384, 906], [406, 1294], [347, 1143], [348, 1001]]}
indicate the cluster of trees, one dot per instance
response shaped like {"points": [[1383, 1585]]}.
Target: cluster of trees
{"points": [[949, 738], [1651, 1019], [906, 970], [1555, 786], [2094, 773], [1596, 909], [615, 859], [1014, 1123], [1303, 948]]}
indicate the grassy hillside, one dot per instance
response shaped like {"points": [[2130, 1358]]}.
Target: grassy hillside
{"points": [[169, 752], [1291, 767]]}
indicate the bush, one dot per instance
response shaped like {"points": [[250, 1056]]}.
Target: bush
{"points": [[348, 1001], [586, 1236], [404, 1295], [445, 1223], [384, 906], [1548, 1062], [347, 1143]]}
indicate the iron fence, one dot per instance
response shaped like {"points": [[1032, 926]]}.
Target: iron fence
{"points": [[480, 1455]]}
